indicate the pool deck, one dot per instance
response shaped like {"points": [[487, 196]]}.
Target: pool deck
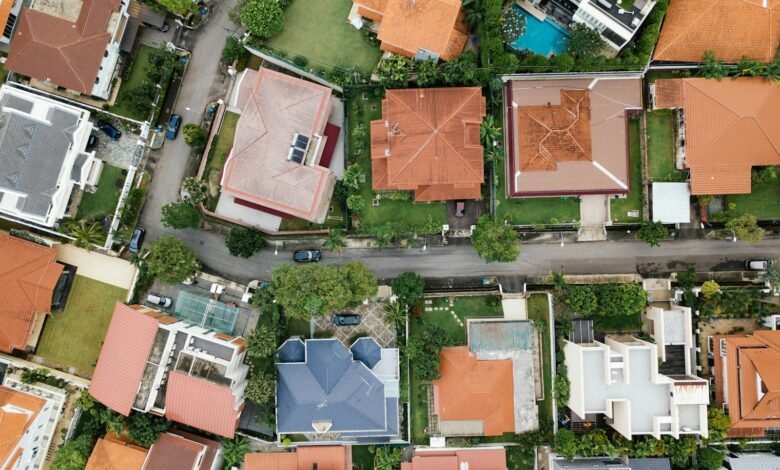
{"points": [[539, 14]]}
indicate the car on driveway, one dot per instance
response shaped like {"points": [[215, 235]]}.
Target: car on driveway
{"points": [[159, 300], [460, 208], [173, 127], [307, 256], [136, 240], [109, 129], [758, 264], [346, 319]]}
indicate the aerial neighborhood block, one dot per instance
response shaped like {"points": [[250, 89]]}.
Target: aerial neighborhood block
{"points": [[428, 142], [43, 156]]}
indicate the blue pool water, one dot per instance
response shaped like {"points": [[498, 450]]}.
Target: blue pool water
{"points": [[541, 37]]}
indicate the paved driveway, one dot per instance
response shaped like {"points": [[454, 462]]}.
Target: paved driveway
{"points": [[371, 324]]}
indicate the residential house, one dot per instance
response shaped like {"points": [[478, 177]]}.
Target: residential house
{"points": [[303, 458], [724, 127], [43, 156], [671, 327], [730, 29], [481, 458], [625, 379], [318, 387], [746, 382], [608, 463], [9, 12], [616, 24], [179, 450], [488, 388], [112, 453], [71, 45], [568, 135], [751, 461], [279, 165], [428, 142], [417, 29], [155, 363], [28, 278], [25, 430]]}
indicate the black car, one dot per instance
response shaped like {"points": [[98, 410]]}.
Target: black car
{"points": [[109, 129], [91, 142], [346, 319], [137, 240], [307, 256]]}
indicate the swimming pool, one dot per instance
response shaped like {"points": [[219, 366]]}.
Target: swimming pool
{"points": [[541, 37]]}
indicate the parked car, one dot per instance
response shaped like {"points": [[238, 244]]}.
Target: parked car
{"points": [[758, 264], [159, 300], [307, 256], [460, 208], [164, 29], [346, 319], [173, 127], [109, 129], [91, 142], [136, 240]]}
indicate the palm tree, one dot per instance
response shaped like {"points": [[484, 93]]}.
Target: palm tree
{"points": [[233, 451], [475, 12], [489, 132], [394, 313], [336, 240], [85, 234]]}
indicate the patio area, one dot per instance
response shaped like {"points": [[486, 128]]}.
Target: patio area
{"points": [[371, 324]]}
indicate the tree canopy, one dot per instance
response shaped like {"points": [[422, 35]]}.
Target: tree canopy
{"points": [[746, 228], [261, 342], [653, 233], [171, 261], [584, 42], [180, 215], [263, 18], [408, 287], [423, 351], [145, 428], [605, 299], [261, 388], [194, 135], [244, 242], [495, 241]]}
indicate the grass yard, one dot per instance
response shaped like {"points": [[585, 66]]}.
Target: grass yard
{"points": [[297, 327], [319, 31], [660, 146], [363, 457], [618, 323], [94, 206], [218, 153], [362, 112], [336, 219], [74, 336], [619, 208], [539, 310], [763, 201], [134, 78]]}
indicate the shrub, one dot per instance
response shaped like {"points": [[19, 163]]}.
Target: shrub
{"points": [[495, 241], [244, 242], [135, 199], [233, 50], [263, 18], [300, 61], [194, 135]]}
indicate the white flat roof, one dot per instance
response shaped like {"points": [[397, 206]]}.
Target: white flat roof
{"points": [[672, 203]]}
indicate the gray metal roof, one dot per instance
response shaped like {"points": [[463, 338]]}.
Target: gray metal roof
{"points": [[650, 464], [332, 387], [367, 351], [32, 152], [293, 350]]}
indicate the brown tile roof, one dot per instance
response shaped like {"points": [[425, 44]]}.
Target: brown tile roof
{"points": [[729, 28], [66, 53], [202, 404], [5, 11], [14, 425], [730, 127], [275, 107], [570, 136], [271, 461], [474, 459], [753, 406], [410, 25], [212, 447], [428, 142], [28, 275], [473, 390], [122, 360], [304, 458], [111, 454], [173, 452]]}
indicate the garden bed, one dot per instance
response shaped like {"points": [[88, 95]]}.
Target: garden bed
{"points": [[634, 200], [222, 143], [539, 311], [661, 147]]}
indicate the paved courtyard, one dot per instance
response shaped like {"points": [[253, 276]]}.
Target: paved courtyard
{"points": [[118, 152], [371, 324]]}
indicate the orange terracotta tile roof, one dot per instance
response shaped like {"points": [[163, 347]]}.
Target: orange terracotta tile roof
{"points": [[202, 404], [472, 390], [123, 357], [271, 461], [13, 425], [28, 276], [66, 53], [5, 11], [410, 25], [113, 455], [428, 142], [173, 452], [729, 28], [753, 382], [475, 459], [212, 447], [304, 458], [730, 127], [274, 108]]}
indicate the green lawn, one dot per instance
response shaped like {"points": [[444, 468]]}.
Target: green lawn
{"points": [[319, 31], [618, 323], [335, 219], [94, 206], [660, 146], [619, 208], [363, 457], [539, 309], [533, 210], [218, 153], [74, 336], [405, 213], [297, 327], [763, 201], [134, 78]]}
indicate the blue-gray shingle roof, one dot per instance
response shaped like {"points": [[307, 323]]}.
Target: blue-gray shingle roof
{"points": [[293, 350], [367, 351]]}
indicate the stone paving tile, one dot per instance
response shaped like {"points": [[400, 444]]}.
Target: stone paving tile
{"points": [[119, 152], [371, 324]]}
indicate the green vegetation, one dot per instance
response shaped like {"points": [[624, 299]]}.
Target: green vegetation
{"points": [[263, 18], [653, 233], [539, 311], [95, 206], [634, 201], [74, 336], [495, 241], [614, 308], [150, 67], [180, 215], [320, 32], [660, 146], [244, 242], [171, 261], [732, 302], [218, 154], [363, 457], [762, 202]]}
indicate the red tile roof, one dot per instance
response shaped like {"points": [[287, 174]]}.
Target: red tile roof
{"points": [[28, 276], [172, 452], [202, 404], [122, 360], [66, 53], [212, 447], [730, 127], [304, 458], [729, 28], [13, 425], [112, 454], [271, 461], [476, 459], [428, 142]]}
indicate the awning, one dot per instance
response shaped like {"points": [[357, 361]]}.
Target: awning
{"points": [[131, 31]]}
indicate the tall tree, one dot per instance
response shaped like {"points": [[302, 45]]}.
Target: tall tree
{"points": [[180, 215], [475, 13], [584, 43], [408, 287], [394, 313], [361, 281], [495, 241], [773, 275], [335, 241], [145, 428], [233, 451], [244, 242], [489, 131], [261, 342], [261, 388], [746, 228], [197, 190], [171, 261], [712, 67], [263, 18], [652, 233]]}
